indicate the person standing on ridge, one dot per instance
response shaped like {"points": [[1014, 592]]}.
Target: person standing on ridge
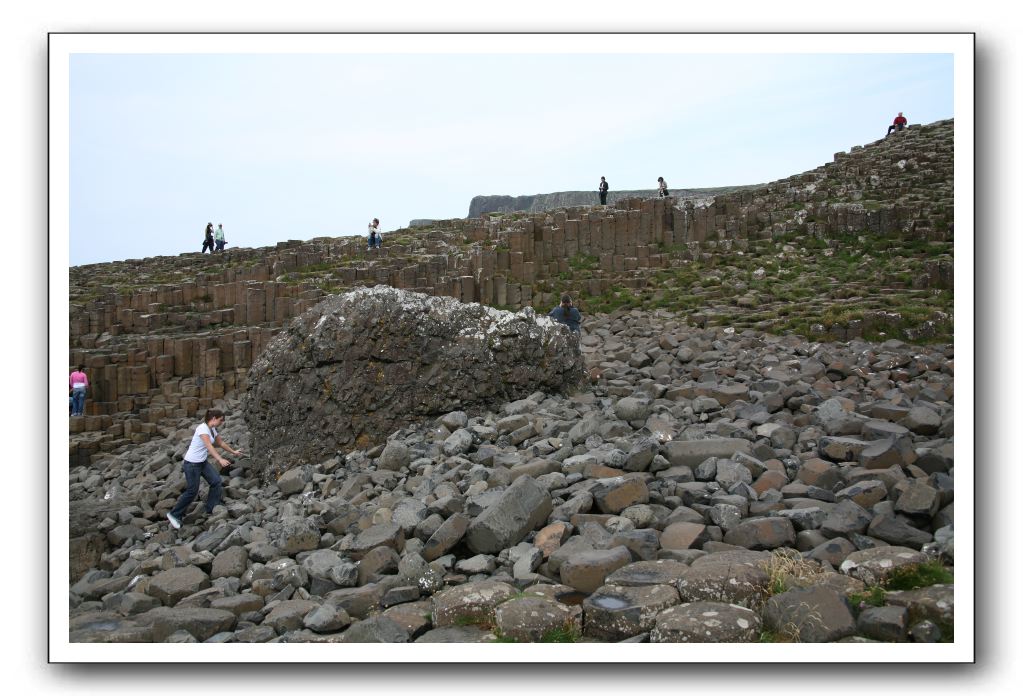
{"points": [[566, 314], [204, 443], [208, 240], [898, 124], [603, 191], [78, 383], [662, 187], [218, 237], [374, 235]]}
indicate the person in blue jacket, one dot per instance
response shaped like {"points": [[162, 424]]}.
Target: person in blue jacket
{"points": [[567, 314]]}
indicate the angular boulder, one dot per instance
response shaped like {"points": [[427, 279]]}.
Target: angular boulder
{"points": [[522, 507], [358, 366]]}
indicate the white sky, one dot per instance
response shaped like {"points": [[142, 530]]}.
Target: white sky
{"points": [[287, 146]]}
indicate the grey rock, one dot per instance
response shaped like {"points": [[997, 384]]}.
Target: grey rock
{"points": [[616, 612], [811, 615], [395, 456], [845, 518], [873, 566], [520, 509], [173, 585], [887, 624], [375, 359], [531, 619], [692, 452], [376, 629], [706, 622], [326, 618]]}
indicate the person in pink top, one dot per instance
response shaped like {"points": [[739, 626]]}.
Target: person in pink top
{"points": [[78, 383]]}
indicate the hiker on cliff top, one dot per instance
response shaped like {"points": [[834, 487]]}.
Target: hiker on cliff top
{"points": [[374, 235], [205, 441], [898, 124], [218, 237], [662, 187], [603, 191], [78, 383], [566, 314], [208, 240]]}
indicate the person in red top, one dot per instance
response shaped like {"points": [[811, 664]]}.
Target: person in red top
{"points": [[78, 382], [898, 124]]}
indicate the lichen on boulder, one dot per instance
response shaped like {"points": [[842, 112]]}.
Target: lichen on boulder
{"points": [[358, 366]]}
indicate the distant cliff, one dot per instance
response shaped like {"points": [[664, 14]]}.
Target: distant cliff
{"points": [[565, 199]]}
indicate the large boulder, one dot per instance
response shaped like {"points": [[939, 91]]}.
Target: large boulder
{"points": [[358, 366]]}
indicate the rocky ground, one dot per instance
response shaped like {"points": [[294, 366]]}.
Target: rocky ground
{"points": [[704, 485]]}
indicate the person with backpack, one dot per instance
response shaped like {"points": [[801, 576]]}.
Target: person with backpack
{"points": [[566, 314], [208, 240]]}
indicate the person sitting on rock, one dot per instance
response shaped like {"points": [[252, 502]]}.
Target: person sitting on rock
{"points": [[374, 235], [898, 124], [205, 442], [662, 187], [566, 314]]}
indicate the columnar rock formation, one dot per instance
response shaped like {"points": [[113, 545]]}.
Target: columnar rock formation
{"points": [[166, 337]]}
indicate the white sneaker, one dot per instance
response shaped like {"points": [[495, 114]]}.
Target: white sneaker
{"points": [[174, 522]]}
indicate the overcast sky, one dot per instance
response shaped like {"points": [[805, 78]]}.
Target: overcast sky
{"points": [[287, 146]]}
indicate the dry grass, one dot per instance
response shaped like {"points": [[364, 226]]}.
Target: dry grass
{"points": [[788, 569]]}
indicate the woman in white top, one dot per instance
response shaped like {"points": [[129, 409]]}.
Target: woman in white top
{"points": [[205, 442]]}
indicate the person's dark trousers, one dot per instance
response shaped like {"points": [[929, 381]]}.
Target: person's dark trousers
{"points": [[893, 128], [206, 245], [603, 197], [220, 245], [193, 471]]}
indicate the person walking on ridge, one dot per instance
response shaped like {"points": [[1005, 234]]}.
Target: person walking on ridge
{"points": [[208, 239], [218, 237], [603, 191], [205, 442], [662, 187], [898, 124], [78, 383], [374, 235], [566, 314]]}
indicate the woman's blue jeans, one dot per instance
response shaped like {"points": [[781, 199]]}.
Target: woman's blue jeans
{"points": [[78, 407], [193, 471]]}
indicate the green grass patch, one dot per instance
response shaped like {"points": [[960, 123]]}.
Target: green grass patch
{"points": [[917, 576], [564, 634]]}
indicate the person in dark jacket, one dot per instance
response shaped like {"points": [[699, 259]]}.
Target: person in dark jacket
{"points": [[898, 124], [208, 242], [603, 191], [566, 314]]}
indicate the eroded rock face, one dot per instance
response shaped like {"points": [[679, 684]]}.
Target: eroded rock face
{"points": [[358, 366]]}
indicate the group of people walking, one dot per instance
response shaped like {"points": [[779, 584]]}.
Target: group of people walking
{"points": [[213, 239], [602, 188]]}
